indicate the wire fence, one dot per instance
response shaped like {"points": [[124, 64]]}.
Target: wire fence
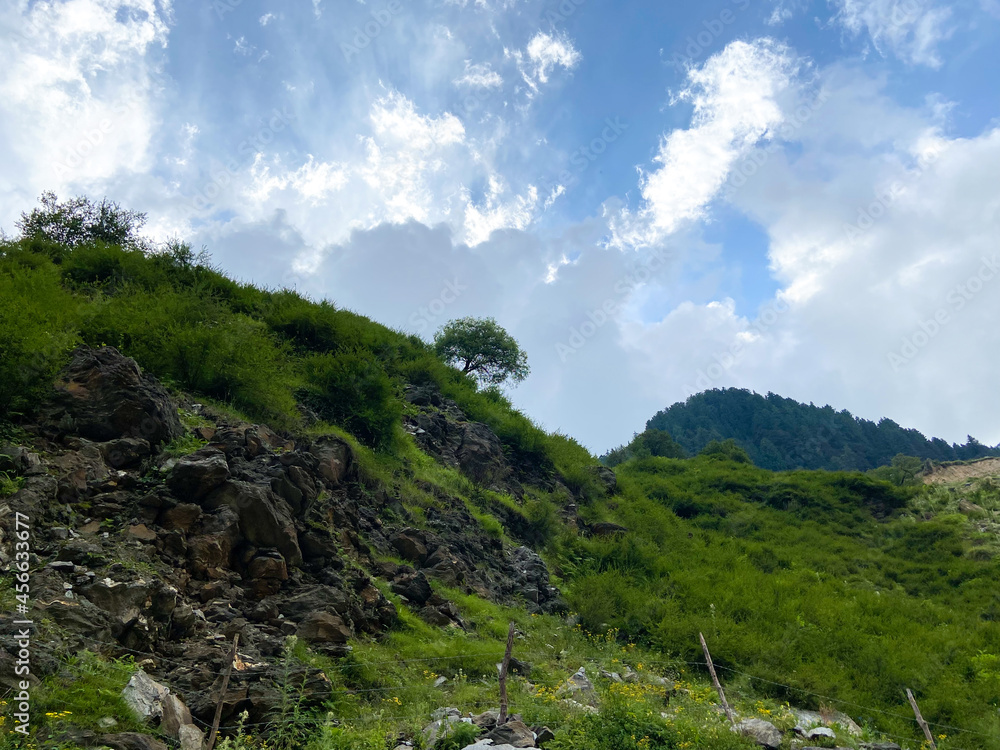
{"points": [[472, 655]]}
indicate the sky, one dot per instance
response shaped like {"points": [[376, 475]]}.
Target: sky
{"points": [[654, 198]]}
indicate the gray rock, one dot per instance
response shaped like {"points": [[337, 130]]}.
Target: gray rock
{"points": [[879, 746], [764, 733], [145, 696], [513, 733], [191, 738], [806, 719], [817, 732], [580, 688]]}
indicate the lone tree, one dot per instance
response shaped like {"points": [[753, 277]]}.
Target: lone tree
{"points": [[482, 349]]}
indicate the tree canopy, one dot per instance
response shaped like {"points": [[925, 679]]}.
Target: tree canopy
{"points": [[80, 221], [482, 349]]}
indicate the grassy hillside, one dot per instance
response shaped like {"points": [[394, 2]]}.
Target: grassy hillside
{"points": [[781, 433], [819, 589]]}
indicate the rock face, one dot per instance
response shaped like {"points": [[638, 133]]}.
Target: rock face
{"points": [[104, 396], [254, 535]]}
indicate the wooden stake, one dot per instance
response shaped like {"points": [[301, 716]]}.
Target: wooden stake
{"points": [[920, 719], [503, 676], [715, 681], [222, 695]]}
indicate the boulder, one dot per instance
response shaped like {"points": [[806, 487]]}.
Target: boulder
{"points": [[125, 453], [124, 602], [879, 746], [334, 460], [103, 396], [174, 716], [197, 474], [145, 696], [265, 519], [181, 517], [411, 544], [191, 738], [414, 587], [514, 733], [323, 628], [579, 688], [805, 719], [764, 733], [818, 732]]}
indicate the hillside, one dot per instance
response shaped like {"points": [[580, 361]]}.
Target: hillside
{"points": [[782, 434], [201, 460]]}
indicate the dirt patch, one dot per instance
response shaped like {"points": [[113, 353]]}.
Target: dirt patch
{"points": [[947, 473]]}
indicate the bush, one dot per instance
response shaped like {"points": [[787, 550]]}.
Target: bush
{"points": [[352, 389], [37, 331]]}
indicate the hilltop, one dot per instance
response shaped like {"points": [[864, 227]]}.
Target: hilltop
{"points": [[202, 459], [782, 434]]}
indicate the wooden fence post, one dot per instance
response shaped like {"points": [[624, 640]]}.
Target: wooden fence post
{"points": [[920, 719], [503, 676], [715, 680], [222, 694]]}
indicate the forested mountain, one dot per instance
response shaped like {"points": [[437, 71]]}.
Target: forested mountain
{"points": [[781, 433]]}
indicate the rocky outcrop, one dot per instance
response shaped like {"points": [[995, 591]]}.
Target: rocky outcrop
{"points": [[104, 396], [255, 534]]}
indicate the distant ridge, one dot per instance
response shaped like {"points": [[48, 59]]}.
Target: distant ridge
{"points": [[781, 433]]}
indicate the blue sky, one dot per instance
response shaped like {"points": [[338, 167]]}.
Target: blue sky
{"points": [[654, 198]]}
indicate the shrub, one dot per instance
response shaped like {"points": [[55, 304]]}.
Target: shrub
{"points": [[37, 331], [352, 389]]}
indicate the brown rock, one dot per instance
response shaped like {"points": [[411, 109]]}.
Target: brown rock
{"points": [[104, 396], [181, 517], [142, 533], [323, 628], [175, 715]]}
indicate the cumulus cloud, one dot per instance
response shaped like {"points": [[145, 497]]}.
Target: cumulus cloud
{"points": [[77, 89], [909, 29], [735, 100]]}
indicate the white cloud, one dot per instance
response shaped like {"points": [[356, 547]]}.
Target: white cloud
{"points": [[910, 29], [494, 213], [544, 53], [76, 91], [735, 99], [480, 75], [548, 52], [267, 18]]}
